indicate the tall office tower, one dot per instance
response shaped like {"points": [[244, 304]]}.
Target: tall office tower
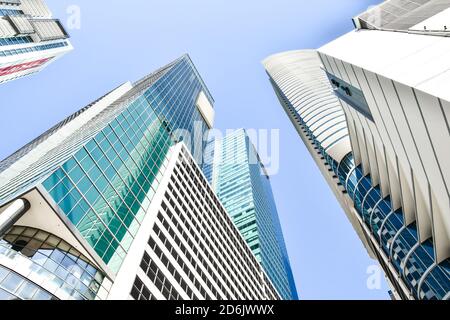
{"points": [[30, 39], [389, 78], [108, 205], [240, 181]]}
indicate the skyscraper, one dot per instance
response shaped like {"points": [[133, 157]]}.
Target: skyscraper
{"points": [[98, 207], [30, 39], [241, 182], [373, 109]]}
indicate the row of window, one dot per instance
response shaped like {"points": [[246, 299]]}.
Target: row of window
{"points": [[239, 243], [15, 40], [204, 242], [177, 276], [140, 291], [156, 275], [15, 287], [44, 47], [399, 242], [221, 221], [215, 273], [225, 253], [66, 267], [188, 269], [10, 12]]}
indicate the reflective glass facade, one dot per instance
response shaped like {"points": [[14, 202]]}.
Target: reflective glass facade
{"points": [[105, 188], [13, 52], [15, 287], [174, 98], [50, 259], [240, 181]]}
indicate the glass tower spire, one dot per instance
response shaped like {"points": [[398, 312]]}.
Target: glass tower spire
{"points": [[243, 186]]}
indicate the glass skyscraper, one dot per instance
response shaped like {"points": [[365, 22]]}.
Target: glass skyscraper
{"points": [[30, 39], [102, 186], [78, 204], [116, 172], [243, 186]]}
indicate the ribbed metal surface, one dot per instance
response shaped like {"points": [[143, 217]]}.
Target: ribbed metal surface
{"points": [[401, 14], [298, 75]]}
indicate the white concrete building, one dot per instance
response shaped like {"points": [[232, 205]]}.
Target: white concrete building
{"points": [[307, 98], [391, 77], [188, 247], [30, 39]]}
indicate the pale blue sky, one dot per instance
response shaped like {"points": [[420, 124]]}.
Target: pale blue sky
{"points": [[227, 39]]}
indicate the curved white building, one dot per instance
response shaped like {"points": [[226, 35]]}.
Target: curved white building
{"points": [[306, 86], [307, 98], [391, 156]]}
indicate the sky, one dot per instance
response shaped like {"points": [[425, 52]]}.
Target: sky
{"points": [[227, 40]]}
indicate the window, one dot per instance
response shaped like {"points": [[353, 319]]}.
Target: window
{"points": [[50, 257]]}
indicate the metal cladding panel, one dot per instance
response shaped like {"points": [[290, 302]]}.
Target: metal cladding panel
{"points": [[35, 8], [400, 14], [6, 28], [21, 24], [299, 75], [48, 29]]}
